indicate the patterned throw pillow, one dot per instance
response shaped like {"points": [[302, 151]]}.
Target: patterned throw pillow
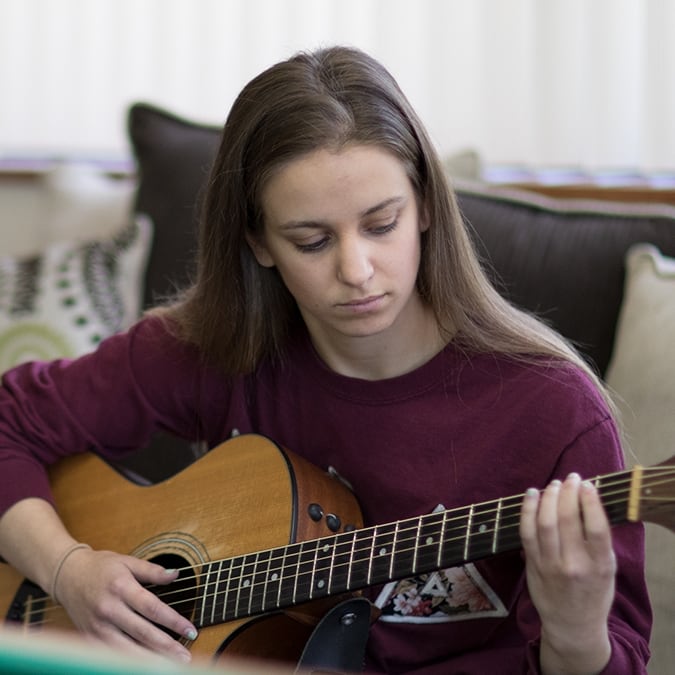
{"points": [[65, 301]]}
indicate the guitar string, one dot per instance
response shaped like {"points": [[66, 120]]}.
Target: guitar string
{"points": [[508, 528]]}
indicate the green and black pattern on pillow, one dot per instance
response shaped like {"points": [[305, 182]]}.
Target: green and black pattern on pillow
{"points": [[64, 302]]}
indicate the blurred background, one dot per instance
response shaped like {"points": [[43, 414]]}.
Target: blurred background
{"points": [[560, 85]]}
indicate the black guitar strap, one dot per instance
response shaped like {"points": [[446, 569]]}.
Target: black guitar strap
{"points": [[338, 643]]}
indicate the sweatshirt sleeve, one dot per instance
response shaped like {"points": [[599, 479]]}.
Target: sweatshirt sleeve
{"points": [[49, 410]]}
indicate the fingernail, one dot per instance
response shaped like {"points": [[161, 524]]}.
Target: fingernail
{"points": [[531, 493], [169, 572], [191, 634], [574, 477], [555, 483]]}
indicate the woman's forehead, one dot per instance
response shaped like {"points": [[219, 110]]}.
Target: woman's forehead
{"points": [[324, 184]]}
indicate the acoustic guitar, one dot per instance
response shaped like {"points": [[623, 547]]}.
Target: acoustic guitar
{"points": [[266, 543]]}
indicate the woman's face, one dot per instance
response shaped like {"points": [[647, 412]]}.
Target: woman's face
{"points": [[343, 230]]}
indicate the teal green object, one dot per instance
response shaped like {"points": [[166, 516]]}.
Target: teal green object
{"points": [[33, 654]]}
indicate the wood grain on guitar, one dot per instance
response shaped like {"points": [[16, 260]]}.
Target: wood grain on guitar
{"points": [[266, 542]]}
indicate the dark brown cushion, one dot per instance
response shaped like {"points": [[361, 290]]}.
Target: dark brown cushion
{"points": [[173, 157], [564, 259]]}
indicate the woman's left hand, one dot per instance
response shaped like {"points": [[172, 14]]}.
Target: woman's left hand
{"points": [[571, 569]]}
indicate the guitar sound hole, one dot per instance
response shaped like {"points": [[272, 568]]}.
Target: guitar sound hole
{"points": [[181, 594]]}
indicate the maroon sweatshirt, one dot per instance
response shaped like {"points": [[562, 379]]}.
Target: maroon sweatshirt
{"points": [[459, 430]]}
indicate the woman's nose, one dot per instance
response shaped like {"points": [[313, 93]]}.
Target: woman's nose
{"points": [[354, 266]]}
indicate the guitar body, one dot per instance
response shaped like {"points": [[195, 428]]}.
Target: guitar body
{"points": [[248, 494]]}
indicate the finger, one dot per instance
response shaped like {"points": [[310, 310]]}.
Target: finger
{"points": [[149, 606], [112, 636], [149, 572], [570, 524], [595, 522], [548, 534], [528, 522], [150, 636]]}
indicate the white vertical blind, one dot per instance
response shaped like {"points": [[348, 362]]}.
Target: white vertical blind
{"points": [[588, 83]]}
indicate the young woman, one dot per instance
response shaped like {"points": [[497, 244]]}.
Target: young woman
{"points": [[340, 309]]}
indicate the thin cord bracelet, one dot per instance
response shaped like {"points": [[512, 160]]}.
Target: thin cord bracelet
{"points": [[63, 559]]}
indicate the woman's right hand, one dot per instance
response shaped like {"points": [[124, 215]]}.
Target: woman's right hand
{"points": [[104, 596]]}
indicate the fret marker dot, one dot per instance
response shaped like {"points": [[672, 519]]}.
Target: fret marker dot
{"points": [[320, 583], [326, 548], [430, 540], [275, 576], [482, 528], [246, 583], [383, 551]]}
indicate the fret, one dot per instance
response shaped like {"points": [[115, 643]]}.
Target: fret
{"points": [[429, 542], [361, 565], [467, 538], [282, 567], [481, 532], [371, 555], [208, 594], [258, 595], [383, 550], [287, 585], [215, 593], [321, 577], [454, 538], [245, 583], [416, 545], [495, 532], [305, 572], [231, 585], [392, 557], [341, 558], [315, 564], [441, 539], [272, 583], [509, 533], [403, 551], [350, 564]]}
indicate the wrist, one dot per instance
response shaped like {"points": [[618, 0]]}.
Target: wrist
{"points": [[59, 566], [562, 654]]}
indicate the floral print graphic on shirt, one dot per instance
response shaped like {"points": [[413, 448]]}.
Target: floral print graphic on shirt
{"points": [[453, 594]]}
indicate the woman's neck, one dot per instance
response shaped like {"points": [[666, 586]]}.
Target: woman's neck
{"points": [[395, 351]]}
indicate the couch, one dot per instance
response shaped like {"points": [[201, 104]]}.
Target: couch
{"points": [[602, 273]]}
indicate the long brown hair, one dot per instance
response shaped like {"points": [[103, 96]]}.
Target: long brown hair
{"points": [[238, 312]]}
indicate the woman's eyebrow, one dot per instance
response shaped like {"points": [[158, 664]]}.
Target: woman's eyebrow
{"points": [[392, 201], [299, 224]]}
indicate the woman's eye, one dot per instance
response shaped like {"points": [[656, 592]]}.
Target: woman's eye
{"points": [[383, 229], [312, 246]]}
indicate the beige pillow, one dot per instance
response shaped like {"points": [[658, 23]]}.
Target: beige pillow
{"points": [[641, 375]]}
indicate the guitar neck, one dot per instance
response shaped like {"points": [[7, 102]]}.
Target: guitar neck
{"points": [[286, 576]]}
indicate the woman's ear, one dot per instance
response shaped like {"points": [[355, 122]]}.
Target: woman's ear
{"points": [[423, 221], [262, 255]]}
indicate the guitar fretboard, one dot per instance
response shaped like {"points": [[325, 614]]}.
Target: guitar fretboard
{"points": [[290, 575]]}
